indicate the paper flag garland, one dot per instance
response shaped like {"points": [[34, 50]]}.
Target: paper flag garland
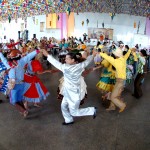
{"points": [[28, 8], [82, 23], [87, 21]]}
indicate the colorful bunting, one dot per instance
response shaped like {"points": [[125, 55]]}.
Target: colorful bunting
{"points": [[82, 23], [14, 9]]}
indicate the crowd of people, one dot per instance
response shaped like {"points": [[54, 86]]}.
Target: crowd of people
{"points": [[20, 62]]}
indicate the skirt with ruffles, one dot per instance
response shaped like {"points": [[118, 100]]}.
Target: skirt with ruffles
{"points": [[37, 91], [106, 82], [4, 87]]}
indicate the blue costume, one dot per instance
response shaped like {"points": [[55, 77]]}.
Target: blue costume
{"points": [[4, 77]]}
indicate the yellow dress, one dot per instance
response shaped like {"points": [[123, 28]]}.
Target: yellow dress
{"points": [[107, 79]]}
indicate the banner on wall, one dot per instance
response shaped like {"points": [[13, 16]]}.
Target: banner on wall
{"points": [[100, 33]]}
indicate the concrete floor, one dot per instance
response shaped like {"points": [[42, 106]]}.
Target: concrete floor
{"points": [[43, 129]]}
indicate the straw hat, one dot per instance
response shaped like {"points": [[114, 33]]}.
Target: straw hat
{"points": [[118, 52]]}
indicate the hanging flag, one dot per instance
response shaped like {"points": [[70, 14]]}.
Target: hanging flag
{"points": [[134, 24], [87, 21], [82, 23], [9, 19], [68, 11], [58, 17], [138, 27], [103, 24]]}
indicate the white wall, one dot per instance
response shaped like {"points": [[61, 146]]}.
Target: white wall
{"points": [[123, 26], [11, 29]]}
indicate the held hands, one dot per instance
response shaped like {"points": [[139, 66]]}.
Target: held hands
{"points": [[133, 49], [45, 53]]}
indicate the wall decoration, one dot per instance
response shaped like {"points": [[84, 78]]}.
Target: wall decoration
{"points": [[22, 27], [139, 24], [26, 8], [33, 19], [96, 33], [134, 24], [103, 25], [82, 23], [42, 26], [87, 21], [36, 21]]}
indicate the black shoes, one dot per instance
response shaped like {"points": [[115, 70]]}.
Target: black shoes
{"points": [[137, 97], [1, 101], [64, 123], [95, 111]]}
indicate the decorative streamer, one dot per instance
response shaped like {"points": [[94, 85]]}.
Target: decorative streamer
{"points": [[134, 24], [26, 8], [138, 27], [103, 25], [87, 21], [82, 23]]}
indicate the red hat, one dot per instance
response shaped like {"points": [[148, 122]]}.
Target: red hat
{"points": [[14, 53]]}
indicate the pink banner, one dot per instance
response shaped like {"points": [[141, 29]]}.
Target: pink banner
{"points": [[64, 26], [148, 26], [59, 21]]}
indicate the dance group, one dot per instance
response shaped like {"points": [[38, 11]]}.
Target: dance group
{"points": [[18, 77]]}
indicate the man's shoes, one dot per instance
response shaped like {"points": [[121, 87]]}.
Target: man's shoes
{"points": [[111, 108], [64, 123], [1, 101], [7, 96], [137, 97], [122, 109], [95, 111]]}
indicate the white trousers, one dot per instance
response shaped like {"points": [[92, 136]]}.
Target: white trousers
{"points": [[71, 108]]}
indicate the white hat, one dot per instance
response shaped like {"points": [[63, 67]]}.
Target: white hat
{"points": [[118, 52]]}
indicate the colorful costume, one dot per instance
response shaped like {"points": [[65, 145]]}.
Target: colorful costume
{"points": [[17, 73], [141, 70], [72, 89], [83, 89], [120, 74], [4, 77], [37, 91], [107, 79], [129, 69]]}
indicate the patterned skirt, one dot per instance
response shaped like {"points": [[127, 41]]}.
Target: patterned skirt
{"points": [[3, 88], [106, 82]]}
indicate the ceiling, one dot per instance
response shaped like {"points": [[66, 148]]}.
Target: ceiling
{"points": [[14, 9]]}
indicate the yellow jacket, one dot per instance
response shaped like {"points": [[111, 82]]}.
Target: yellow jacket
{"points": [[119, 64]]}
